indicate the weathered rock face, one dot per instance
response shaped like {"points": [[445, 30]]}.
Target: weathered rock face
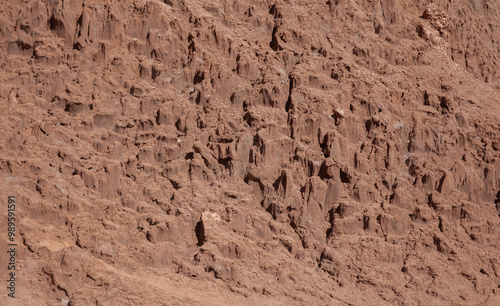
{"points": [[252, 152]]}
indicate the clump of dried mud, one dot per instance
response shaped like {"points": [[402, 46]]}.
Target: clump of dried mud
{"points": [[252, 152]]}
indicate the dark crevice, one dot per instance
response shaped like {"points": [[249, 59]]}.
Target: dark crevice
{"points": [[288, 104], [56, 26], [274, 44], [426, 98], [199, 77], [366, 222], [226, 162], [175, 184], [200, 233], [344, 177]]}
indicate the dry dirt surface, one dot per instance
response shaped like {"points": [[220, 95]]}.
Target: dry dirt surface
{"points": [[342, 152]]}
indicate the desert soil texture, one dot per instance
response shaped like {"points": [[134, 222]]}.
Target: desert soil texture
{"points": [[237, 152]]}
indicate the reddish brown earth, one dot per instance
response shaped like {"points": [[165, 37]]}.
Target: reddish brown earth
{"points": [[251, 152]]}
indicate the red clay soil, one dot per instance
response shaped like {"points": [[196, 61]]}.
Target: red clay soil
{"points": [[240, 152]]}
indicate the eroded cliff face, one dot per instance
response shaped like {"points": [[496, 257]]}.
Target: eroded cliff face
{"points": [[252, 152]]}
